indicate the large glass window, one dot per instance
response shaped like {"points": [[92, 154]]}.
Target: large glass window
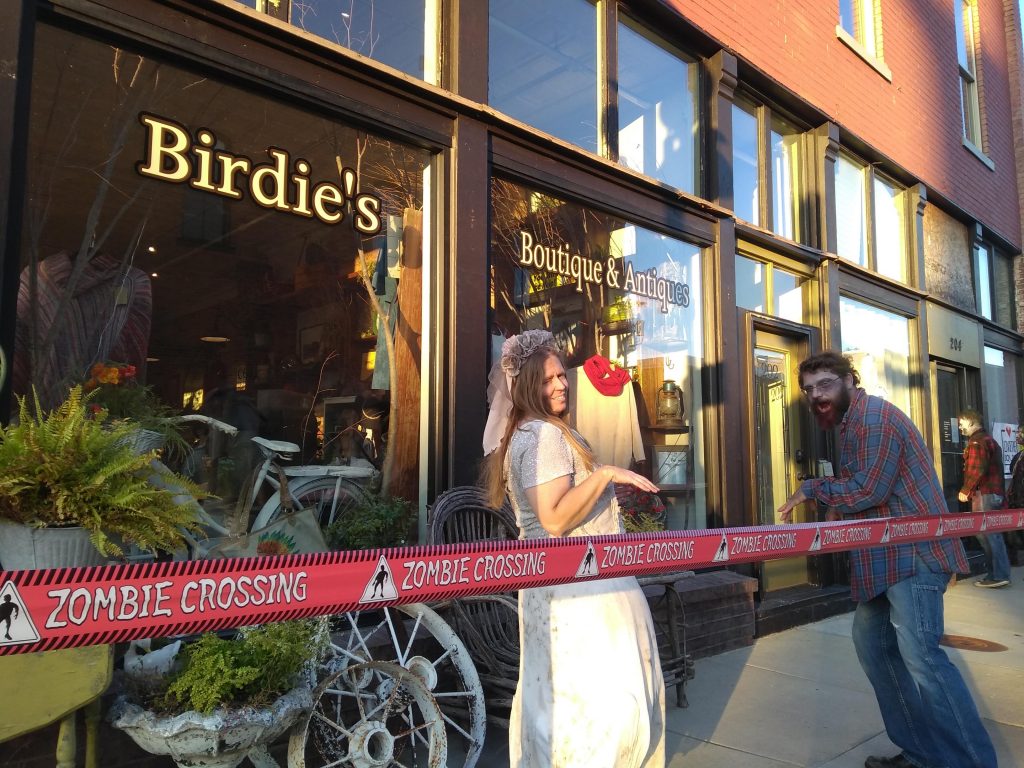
{"points": [[657, 96], [1002, 401], [766, 146], [966, 42], [770, 290], [399, 33], [871, 219], [543, 66], [610, 289], [252, 261], [878, 343], [552, 66]]}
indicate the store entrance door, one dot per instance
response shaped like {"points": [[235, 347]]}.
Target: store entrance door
{"points": [[953, 391], [781, 443]]}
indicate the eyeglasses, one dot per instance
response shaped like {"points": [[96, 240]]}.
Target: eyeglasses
{"points": [[823, 386]]}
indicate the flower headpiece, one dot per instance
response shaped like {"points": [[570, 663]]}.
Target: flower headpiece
{"points": [[517, 349], [514, 352]]}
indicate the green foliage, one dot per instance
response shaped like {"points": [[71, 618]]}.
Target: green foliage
{"points": [[642, 522], [140, 407], [68, 468], [252, 669], [379, 522]]}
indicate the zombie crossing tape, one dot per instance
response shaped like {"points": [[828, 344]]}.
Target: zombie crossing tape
{"points": [[69, 607]]}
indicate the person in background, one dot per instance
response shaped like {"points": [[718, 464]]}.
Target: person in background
{"points": [[1015, 492], [590, 692], [983, 489], [886, 470]]}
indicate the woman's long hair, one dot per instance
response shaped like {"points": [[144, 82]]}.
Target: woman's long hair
{"points": [[528, 404]]}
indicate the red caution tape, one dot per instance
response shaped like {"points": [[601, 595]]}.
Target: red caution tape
{"points": [[68, 607]]}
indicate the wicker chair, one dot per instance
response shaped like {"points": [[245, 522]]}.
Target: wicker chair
{"points": [[489, 624]]}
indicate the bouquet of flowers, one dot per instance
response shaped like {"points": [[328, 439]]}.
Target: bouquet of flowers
{"points": [[118, 393], [642, 512]]}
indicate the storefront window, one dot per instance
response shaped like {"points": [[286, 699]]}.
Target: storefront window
{"points": [[543, 66], [764, 288], [1002, 401], [623, 294], [254, 262], [890, 230], [398, 33], [878, 343], [658, 127]]}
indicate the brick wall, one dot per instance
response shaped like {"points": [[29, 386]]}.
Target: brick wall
{"points": [[914, 120]]}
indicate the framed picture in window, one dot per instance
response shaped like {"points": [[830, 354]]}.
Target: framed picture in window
{"points": [[309, 344], [669, 465]]}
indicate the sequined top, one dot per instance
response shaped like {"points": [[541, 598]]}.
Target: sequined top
{"points": [[538, 453]]}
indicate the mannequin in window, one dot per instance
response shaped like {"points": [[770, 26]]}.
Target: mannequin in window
{"points": [[603, 403]]}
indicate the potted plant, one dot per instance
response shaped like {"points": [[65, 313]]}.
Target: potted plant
{"points": [[116, 390], [223, 699], [378, 521], [72, 485]]}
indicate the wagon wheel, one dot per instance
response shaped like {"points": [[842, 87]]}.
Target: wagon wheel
{"points": [[370, 715], [417, 639]]}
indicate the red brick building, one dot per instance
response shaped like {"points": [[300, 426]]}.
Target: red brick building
{"points": [[318, 220]]}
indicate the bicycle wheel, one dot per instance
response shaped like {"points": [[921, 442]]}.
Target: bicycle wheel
{"points": [[319, 494], [368, 716], [417, 639]]}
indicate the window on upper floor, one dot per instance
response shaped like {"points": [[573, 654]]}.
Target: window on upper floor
{"points": [[657, 106], [871, 219], [766, 150], [965, 16], [399, 33], [625, 94], [993, 283], [859, 19]]}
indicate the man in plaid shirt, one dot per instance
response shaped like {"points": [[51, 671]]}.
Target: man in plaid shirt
{"points": [[885, 470], [983, 488]]}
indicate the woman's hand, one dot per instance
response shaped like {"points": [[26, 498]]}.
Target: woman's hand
{"points": [[628, 477]]}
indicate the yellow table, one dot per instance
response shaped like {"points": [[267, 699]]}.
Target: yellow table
{"points": [[37, 689]]}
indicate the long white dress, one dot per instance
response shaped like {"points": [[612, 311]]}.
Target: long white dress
{"points": [[590, 689]]}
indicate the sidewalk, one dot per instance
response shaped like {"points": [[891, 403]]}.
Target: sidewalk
{"points": [[799, 697]]}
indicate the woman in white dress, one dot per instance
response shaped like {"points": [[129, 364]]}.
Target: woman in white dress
{"points": [[590, 688]]}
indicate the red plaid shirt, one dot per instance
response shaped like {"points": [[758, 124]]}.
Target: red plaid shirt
{"points": [[885, 470], [983, 466]]}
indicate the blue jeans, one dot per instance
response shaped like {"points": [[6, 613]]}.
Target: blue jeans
{"points": [[926, 707], [997, 561]]}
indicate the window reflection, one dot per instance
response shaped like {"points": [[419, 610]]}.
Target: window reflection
{"points": [[393, 32], [765, 288], [658, 127], [890, 230], [745, 155], [278, 317], [543, 66], [785, 174], [548, 262], [851, 212], [878, 343]]}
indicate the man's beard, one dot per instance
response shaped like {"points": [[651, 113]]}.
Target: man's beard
{"points": [[837, 406]]}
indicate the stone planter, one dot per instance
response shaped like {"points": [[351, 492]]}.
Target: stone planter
{"points": [[218, 740], [23, 547]]}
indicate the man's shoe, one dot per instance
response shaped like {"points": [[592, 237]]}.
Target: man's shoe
{"points": [[992, 583], [897, 761]]}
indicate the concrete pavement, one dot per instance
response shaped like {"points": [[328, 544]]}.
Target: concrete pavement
{"points": [[799, 697]]}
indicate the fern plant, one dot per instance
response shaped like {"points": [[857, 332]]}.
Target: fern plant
{"points": [[251, 669], [68, 468]]}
